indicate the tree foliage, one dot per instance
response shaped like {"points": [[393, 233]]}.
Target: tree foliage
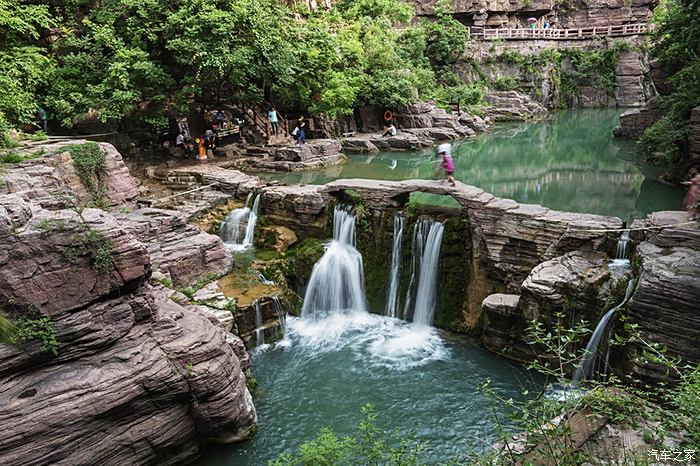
{"points": [[676, 42], [142, 60]]}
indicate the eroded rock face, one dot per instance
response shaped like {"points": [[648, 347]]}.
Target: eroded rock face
{"points": [[665, 304], [634, 122], [571, 285], [47, 259], [137, 378], [46, 180], [575, 14], [315, 153], [178, 250], [512, 106]]}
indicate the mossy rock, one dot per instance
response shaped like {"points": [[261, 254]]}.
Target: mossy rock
{"points": [[300, 262]]}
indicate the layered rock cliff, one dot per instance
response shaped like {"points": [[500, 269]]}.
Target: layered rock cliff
{"points": [[106, 368]]}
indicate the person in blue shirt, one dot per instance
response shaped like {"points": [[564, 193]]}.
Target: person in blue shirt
{"points": [[272, 115]]}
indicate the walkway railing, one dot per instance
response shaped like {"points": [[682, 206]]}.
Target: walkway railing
{"points": [[262, 122], [561, 34]]}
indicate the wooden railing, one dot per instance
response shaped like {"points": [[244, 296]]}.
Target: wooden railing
{"points": [[262, 122], [561, 34]]}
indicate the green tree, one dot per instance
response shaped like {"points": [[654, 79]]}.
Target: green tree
{"points": [[677, 42], [24, 62]]}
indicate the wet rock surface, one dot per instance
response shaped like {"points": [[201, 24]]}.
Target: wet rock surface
{"points": [[634, 122]]}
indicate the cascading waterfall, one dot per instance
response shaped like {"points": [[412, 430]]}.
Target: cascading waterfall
{"points": [[238, 228], [427, 240], [393, 292], [337, 279], [621, 252], [259, 330], [281, 315], [621, 261], [590, 356]]}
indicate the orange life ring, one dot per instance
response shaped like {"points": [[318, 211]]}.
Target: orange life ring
{"points": [[388, 115]]}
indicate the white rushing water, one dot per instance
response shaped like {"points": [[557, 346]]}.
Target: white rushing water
{"points": [[621, 262], [427, 240], [587, 367], [374, 340], [237, 230], [394, 272], [281, 315], [259, 330], [337, 279]]}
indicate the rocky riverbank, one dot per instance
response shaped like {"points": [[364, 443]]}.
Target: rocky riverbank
{"points": [[108, 366], [144, 318]]}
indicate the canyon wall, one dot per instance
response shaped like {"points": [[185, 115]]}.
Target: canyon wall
{"points": [[108, 367]]}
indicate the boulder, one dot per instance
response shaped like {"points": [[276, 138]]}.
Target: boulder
{"points": [[179, 251], [47, 179], [572, 284], [300, 208], [57, 260], [358, 144], [634, 122], [402, 141]]}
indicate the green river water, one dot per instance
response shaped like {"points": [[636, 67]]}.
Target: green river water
{"points": [[418, 377], [569, 161]]}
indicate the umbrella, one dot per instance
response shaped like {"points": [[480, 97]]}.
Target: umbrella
{"points": [[532, 20]]}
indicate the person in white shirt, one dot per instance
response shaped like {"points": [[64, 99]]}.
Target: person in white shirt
{"points": [[390, 131]]}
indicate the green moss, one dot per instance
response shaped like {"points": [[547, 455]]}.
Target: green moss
{"points": [[300, 261], [93, 244], [41, 329], [454, 273], [374, 241], [91, 166]]}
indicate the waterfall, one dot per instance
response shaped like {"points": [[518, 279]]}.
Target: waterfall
{"points": [[590, 356], [393, 291], [427, 239], [259, 330], [281, 315], [621, 252], [238, 228], [337, 279], [344, 225]]}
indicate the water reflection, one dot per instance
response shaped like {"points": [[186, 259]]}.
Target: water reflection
{"points": [[568, 162]]}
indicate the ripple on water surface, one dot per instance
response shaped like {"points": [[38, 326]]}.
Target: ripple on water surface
{"points": [[417, 377]]}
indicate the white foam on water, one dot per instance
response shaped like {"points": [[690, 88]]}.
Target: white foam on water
{"points": [[371, 338]]}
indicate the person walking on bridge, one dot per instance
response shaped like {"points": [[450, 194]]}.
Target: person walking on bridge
{"points": [[446, 164]]}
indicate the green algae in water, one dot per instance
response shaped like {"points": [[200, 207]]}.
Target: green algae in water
{"points": [[417, 378], [569, 162]]}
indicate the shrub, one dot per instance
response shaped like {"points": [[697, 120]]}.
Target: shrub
{"points": [[41, 329], [91, 167], [370, 445]]}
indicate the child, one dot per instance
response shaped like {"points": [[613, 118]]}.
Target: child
{"points": [[447, 163]]}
